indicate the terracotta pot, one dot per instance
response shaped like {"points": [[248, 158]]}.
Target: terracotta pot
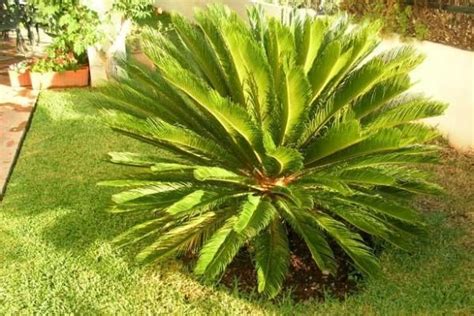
{"points": [[18, 79], [70, 78]]}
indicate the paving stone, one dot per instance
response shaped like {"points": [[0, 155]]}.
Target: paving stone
{"points": [[16, 108]]}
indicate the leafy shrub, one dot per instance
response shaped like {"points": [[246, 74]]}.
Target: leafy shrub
{"points": [[258, 130], [73, 26], [139, 11], [56, 61]]}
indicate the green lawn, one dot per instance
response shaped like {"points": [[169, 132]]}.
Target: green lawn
{"points": [[56, 256]]}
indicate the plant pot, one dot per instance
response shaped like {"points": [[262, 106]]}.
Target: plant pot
{"points": [[70, 78], [18, 79]]}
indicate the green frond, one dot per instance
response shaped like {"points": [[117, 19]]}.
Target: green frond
{"points": [[218, 174], [351, 242], [138, 160], [361, 176], [252, 68], [386, 207], [279, 45], [413, 110], [293, 97], [337, 138], [284, 160], [179, 141], [367, 176], [219, 250], [189, 202], [367, 222], [312, 38], [272, 255], [385, 140], [325, 67], [202, 52], [233, 122], [127, 183], [140, 232], [380, 94], [178, 238], [148, 191], [329, 185], [305, 225], [211, 22], [255, 215], [418, 133], [408, 155]]}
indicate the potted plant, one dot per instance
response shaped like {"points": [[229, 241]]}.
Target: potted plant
{"points": [[19, 74], [122, 22], [73, 27], [58, 70]]}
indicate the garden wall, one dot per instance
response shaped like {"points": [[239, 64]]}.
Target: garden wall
{"points": [[186, 7], [446, 75]]}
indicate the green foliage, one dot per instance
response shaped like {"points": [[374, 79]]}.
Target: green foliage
{"points": [[139, 11], [265, 129], [55, 61], [73, 26]]}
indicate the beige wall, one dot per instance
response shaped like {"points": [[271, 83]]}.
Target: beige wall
{"points": [[186, 7], [447, 75]]}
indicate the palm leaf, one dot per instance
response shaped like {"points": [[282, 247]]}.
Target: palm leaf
{"points": [[272, 256], [352, 244]]}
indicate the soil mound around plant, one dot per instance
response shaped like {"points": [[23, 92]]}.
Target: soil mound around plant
{"points": [[304, 281]]}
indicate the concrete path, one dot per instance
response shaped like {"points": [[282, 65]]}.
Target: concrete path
{"points": [[16, 108]]}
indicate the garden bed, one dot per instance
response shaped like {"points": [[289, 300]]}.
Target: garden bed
{"points": [[423, 22]]}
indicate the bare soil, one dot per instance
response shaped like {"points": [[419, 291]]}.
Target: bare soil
{"points": [[441, 26], [454, 29], [304, 281]]}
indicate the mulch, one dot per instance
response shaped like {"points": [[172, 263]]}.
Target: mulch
{"points": [[445, 27], [304, 281], [454, 29]]}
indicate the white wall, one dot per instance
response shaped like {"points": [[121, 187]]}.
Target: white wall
{"points": [[186, 7], [447, 75]]}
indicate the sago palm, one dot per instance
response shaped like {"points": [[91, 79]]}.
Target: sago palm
{"points": [[261, 127]]}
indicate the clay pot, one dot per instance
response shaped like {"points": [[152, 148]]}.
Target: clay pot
{"points": [[70, 78], [18, 79]]}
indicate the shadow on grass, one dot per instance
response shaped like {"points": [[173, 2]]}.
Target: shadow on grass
{"points": [[63, 159]]}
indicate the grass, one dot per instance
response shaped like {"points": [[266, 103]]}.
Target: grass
{"points": [[56, 256]]}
